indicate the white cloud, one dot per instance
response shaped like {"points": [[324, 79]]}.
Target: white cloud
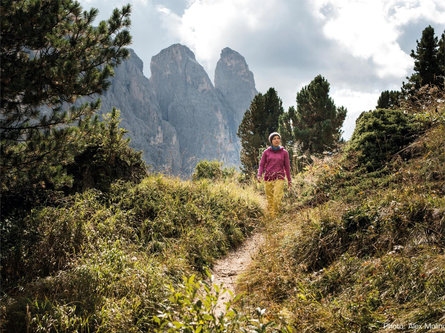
{"points": [[207, 26], [279, 31], [400, 12], [356, 102], [164, 10], [369, 29]]}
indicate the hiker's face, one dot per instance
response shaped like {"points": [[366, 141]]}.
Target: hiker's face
{"points": [[276, 141]]}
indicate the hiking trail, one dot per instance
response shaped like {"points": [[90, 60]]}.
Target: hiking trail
{"points": [[227, 269]]}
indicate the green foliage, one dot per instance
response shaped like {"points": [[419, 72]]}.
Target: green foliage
{"points": [[258, 122], [106, 157], [285, 127], [428, 63], [191, 307], [441, 56], [212, 170], [380, 134], [63, 58], [99, 155], [50, 54], [368, 230], [96, 261], [389, 100], [316, 123]]}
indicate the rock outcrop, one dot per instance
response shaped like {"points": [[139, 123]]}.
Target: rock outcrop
{"points": [[190, 103], [178, 117], [130, 91], [235, 81]]}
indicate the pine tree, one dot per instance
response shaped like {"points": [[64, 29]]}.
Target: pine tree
{"points": [[427, 68], [389, 99], [441, 59], [249, 136], [273, 110], [426, 62], [318, 121], [51, 55], [286, 124], [258, 122]]}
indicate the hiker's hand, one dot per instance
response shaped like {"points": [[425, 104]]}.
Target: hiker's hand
{"points": [[259, 179]]}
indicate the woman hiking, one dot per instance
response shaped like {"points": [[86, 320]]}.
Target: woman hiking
{"points": [[275, 165]]}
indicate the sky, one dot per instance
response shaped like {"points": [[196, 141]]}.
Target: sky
{"points": [[362, 47]]}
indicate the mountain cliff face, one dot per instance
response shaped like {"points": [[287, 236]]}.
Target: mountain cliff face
{"points": [[235, 81], [132, 93], [190, 103], [178, 117]]}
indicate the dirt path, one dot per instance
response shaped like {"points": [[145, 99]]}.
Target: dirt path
{"points": [[227, 269]]}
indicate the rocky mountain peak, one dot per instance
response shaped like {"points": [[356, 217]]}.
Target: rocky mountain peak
{"points": [[231, 57], [136, 61], [178, 117], [235, 81], [177, 50], [174, 60], [190, 103], [175, 69]]}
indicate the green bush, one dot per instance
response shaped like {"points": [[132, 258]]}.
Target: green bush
{"points": [[212, 170], [370, 229], [380, 134], [98, 154], [106, 157]]}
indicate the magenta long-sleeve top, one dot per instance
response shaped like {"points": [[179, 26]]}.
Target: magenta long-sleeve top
{"points": [[274, 165]]}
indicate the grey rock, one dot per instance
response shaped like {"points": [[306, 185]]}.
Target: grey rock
{"points": [[131, 93], [235, 81], [190, 103], [177, 117]]}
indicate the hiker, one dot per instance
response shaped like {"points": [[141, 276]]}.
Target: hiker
{"points": [[274, 164]]}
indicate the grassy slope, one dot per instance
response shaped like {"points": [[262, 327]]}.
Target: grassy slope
{"points": [[101, 262], [354, 251], [357, 251]]}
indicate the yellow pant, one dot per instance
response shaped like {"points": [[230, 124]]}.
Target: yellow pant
{"points": [[274, 194]]}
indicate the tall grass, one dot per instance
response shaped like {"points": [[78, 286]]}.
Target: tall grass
{"points": [[359, 251], [356, 250], [102, 261]]}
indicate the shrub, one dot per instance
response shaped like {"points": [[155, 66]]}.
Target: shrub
{"points": [[381, 133], [99, 155], [191, 307], [106, 158], [212, 170]]}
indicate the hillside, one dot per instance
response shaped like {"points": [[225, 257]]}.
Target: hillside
{"points": [[359, 251], [359, 247]]}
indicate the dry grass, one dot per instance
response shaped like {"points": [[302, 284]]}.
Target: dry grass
{"points": [[363, 258]]}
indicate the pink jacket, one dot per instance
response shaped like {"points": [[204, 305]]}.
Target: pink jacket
{"points": [[275, 164]]}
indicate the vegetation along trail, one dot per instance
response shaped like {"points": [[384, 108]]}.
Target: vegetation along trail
{"points": [[93, 241], [229, 268]]}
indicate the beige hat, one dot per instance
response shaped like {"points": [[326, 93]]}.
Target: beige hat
{"points": [[272, 135]]}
